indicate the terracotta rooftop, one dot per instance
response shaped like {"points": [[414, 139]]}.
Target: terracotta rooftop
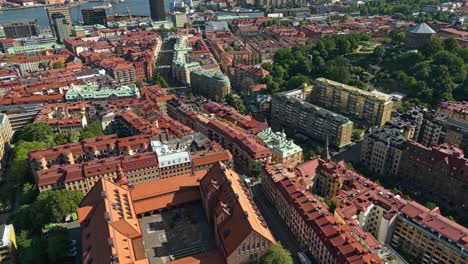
{"points": [[230, 196], [109, 226]]}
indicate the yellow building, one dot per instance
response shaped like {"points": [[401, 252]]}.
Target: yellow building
{"points": [[6, 133], [373, 107], [429, 237], [283, 150], [7, 244]]}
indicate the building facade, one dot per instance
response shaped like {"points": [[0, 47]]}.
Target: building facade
{"points": [[372, 108], [455, 110], [6, 133], [428, 237], [291, 113], [94, 16], [157, 10], [442, 170], [310, 221], [7, 244], [241, 233], [283, 149], [382, 150], [21, 29], [211, 85]]}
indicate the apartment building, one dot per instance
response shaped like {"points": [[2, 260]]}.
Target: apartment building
{"points": [[309, 219], [243, 76], [441, 169], [283, 150], [21, 115], [382, 150], [211, 85], [457, 133], [290, 112], [429, 237], [243, 122], [79, 166], [96, 92], [374, 223], [7, 244], [375, 213], [372, 107], [455, 110], [110, 231], [246, 151], [124, 73], [64, 117], [155, 94], [421, 125], [242, 235], [6, 133]]}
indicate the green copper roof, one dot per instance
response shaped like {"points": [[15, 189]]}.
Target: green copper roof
{"points": [[279, 143]]}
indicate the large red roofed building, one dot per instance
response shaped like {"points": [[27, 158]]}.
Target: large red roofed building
{"points": [[241, 233], [110, 231], [378, 217], [231, 115], [310, 221]]}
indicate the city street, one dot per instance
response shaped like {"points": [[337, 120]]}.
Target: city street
{"points": [[163, 65], [277, 226]]}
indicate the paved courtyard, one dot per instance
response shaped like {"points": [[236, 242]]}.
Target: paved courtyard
{"points": [[176, 233]]}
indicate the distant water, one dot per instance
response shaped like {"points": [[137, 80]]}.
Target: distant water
{"points": [[136, 7]]}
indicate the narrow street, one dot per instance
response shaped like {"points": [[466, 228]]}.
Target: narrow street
{"points": [[277, 226]]}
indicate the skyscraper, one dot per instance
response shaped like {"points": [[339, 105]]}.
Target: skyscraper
{"points": [[93, 16], [157, 9], [60, 27]]}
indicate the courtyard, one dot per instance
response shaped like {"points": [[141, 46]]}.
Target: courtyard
{"points": [[176, 233]]}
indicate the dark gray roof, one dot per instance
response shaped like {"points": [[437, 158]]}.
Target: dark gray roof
{"points": [[421, 28], [388, 135]]}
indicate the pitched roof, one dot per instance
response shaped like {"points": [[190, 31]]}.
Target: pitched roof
{"points": [[421, 28], [232, 198], [109, 226]]}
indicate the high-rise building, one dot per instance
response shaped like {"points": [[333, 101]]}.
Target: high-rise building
{"points": [[60, 10], [60, 27], [372, 107], [94, 16], [20, 28], [158, 12], [290, 112]]}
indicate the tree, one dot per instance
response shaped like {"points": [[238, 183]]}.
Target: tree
{"points": [[229, 99], [60, 139], [451, 45], [158, 79], [276, 254], [398, 36], [139, 83], [57, 244], [379, 52], [430, 205], [40, 131], [256, 170], [94, 129], [297, 81], [310, 155], [28, 193], [338, 69], [58, 65]]}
